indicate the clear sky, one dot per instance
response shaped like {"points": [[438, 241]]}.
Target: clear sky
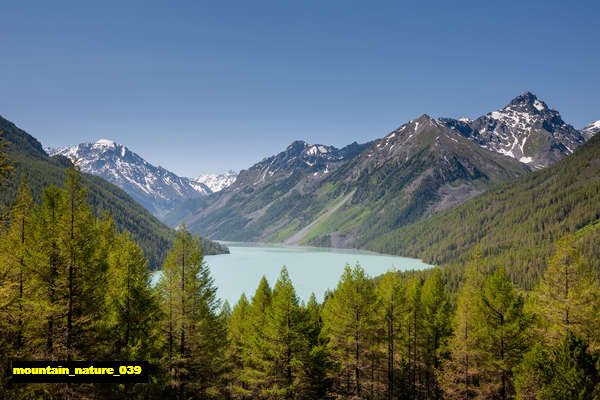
{"points": [[209, 86]]}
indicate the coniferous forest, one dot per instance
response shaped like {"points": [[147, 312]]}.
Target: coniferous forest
{"points": [[73, 288]]}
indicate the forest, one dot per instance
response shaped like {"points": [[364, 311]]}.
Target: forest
{"points": [[73, 288]]}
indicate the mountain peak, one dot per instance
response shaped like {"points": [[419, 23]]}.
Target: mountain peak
{"points": [[591, 129], [528, 102], [106, 142], [424, 118]]}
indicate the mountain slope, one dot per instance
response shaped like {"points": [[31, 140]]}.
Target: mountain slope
{"points": [[265, 196], [31, 161], [526, 129], [514, 224], [153, 187]]}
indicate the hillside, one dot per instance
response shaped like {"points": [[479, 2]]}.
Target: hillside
{"points": [[31, 161], [514, 224]]}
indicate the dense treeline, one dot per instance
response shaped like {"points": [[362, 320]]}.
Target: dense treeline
{"points": [[72, 287]]}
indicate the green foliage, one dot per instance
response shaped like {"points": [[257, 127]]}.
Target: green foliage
{"points": [[567, 371], [195, 332], [348, 322]]}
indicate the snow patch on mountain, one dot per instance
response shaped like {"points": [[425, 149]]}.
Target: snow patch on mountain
{"points": [[591, 129], [216, 182]]}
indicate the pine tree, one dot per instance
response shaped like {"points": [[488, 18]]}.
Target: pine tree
{"points": [[413, 321], [461, 371], [254, 375], [436, 328], [131, 304], [195, 334], [85, 271], [391, 303], [286, 342], [237, 333], [49, 261], [315, 383], [504, 334], [18, 268], [568, 295], [348, 321], [567, 371]]}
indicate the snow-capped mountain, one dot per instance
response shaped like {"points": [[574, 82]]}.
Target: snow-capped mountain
{"points": [[217, 182], [591, 129], [156, 188], [526, 129]]}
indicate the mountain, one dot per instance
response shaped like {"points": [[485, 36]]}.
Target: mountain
{"points": [[217, 182], [156, 188], [31, 161], [591, 129], [324, 196], [515, 224], [526, 129], [320, 195], [285, 177]]}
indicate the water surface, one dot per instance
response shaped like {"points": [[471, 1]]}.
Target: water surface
{"points": [[312, 269]]}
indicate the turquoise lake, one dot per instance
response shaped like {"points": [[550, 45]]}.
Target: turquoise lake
{"points": [[312, 269]]}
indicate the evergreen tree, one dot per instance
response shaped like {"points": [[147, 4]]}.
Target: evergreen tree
{"points": [[568, 371], [17, 269], [568, 295], [436, 328], [49, 261], [286, 342], [461, 371], [195, 335], [348, 321], [85, 269], [131, 304], [504, 334], [237, 334], [255, 373], [414, 334], [315, 382], [391, 301]]}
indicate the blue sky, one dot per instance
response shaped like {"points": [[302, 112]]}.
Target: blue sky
{"points": [[207, 86]]}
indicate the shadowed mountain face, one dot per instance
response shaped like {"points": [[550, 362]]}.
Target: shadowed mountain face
{"points": [[153, 187], [320, 195]]}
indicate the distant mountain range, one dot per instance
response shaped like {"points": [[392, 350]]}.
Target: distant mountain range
{"points": [[321, 195], [156, 188], [216, 182]]}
